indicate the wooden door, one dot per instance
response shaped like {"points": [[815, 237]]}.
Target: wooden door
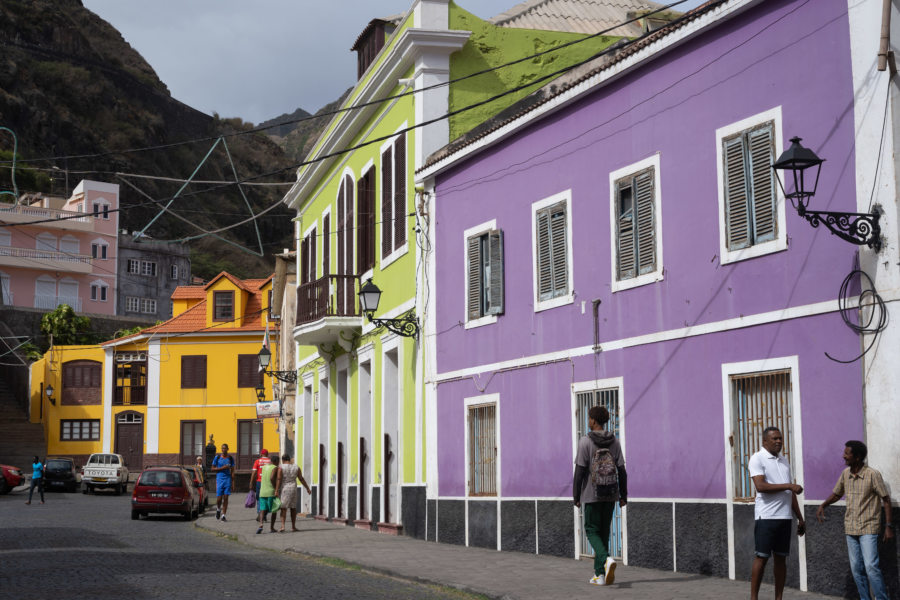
{"points": [[130, 444]]}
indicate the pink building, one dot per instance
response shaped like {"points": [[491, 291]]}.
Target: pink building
{"points": [[60, 251]]}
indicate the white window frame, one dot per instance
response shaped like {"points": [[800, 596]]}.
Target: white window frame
{"points": [[484, 400], [395, 254], [103, 212], [132, 304], [477, 230], [102, 250], [148, 263], [791, 363], [99, 291], [569, 297], [173, 271], [727, 256], [148, 302], [653, 276], [133, 262]]}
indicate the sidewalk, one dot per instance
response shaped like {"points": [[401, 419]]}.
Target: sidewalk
{"points": [[505, 575]]}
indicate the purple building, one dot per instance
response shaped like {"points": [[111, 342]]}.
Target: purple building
{"points": [[619, 238]]}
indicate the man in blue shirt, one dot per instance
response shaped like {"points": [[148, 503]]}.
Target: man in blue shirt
{"points": [[223, 467], [37, 479]]}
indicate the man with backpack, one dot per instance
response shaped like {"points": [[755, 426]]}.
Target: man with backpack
{"points": [[600, 481]]}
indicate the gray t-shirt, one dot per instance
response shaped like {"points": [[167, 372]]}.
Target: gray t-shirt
{"points": [[586, 448]]}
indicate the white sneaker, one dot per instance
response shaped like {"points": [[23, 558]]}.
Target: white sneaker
{"points": [[610, 568], [597, 580], [223, 519]]}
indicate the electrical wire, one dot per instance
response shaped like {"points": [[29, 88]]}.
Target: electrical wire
{"points": [[868, 297], [350, 108]]}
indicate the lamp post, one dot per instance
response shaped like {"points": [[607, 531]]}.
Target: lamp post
{"points": [[861, 229], [49, 392], [265, 357], [260, 393], [369, 296]]}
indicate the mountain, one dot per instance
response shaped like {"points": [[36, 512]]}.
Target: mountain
{"points": [[71, 86], [297, 139]]}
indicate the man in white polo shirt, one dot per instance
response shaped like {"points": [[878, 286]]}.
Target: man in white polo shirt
{"points": [[776, 498]]}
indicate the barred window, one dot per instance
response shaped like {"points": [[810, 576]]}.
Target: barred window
{"points": [[482, 434]]}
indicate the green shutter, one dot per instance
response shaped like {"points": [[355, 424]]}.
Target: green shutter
{"points": [[761, 144], [646, 222], [473, 260], [737, 214], [495, 295]]}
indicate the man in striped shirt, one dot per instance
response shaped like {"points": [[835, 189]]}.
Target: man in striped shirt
{"points": [[865, 490]]}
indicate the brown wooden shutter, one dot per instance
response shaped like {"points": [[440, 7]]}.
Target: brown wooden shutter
{"points": [[326, 245], [193, 371], [341, 228], [400, 192], [474, 275], [544, 268], [625, 229], [495, 295], [366, 221], [737, 217], [348, 226], [761, 150], [387, 207], [304, 259], [646, 225], [249, 375], [312, 255], [560, 257]]}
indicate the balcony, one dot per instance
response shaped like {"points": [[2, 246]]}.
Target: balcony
{"points": [[328, 311], [48, 260], [18, 213], [50, 302]]}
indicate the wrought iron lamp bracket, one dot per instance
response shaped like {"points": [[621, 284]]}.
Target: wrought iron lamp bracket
{"points": [[285, 376], [861, 229], [405, 326]]}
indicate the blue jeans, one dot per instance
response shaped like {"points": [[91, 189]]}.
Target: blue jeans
{"points": [[863, 551], [36, 483]]}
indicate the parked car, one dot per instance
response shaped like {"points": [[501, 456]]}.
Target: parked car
{"points": [[10, 477], [165, 490], [60, 473], [199, 480], [105, 470]]}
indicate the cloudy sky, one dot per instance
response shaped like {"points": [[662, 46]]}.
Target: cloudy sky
{"points": [[257, 59]]}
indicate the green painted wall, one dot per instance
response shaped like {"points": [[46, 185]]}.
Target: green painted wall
{"points": [[490, 46]]}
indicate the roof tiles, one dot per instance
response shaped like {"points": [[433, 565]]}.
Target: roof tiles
{"points": [[577, 16]]}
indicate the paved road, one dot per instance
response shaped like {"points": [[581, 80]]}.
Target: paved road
{"points": [[78, 546]]}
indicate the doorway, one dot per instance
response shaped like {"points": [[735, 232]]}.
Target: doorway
{"points": [[130, 439]]}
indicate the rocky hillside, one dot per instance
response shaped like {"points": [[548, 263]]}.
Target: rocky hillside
{"points": [[70, 85], [297, 139]]}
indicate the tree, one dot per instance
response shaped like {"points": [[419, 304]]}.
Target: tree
{"points": [[66, 327]]}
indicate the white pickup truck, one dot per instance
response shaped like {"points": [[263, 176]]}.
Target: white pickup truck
{"points": [[104, 471]]}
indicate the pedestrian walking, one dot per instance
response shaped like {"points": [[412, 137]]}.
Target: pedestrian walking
{"points": [[600, 481], [268, 492], [776, 498], [223, 466], [864, 487], [37, 479], [256, 473], [290, 475]]}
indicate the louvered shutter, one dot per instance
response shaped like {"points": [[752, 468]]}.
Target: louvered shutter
{"points": [[400, 192], [737, 214], [495, 277], [95, 376], [387, 181], [544, 272], [646, 226], [473, 258], [326, 245], [558, 249], [311, 244], [761, 146], [304, 259], [625, 230], [249, 374], [365, 221], [348, 229], [193, 371], [342, 229]]}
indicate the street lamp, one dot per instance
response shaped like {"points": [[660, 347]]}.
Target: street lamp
{"points": [[49, 391], [260, 393], [369, 296], [265, 357], [861, 229]]}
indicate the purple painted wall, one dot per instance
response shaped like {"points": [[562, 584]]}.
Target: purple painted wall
{"points": [[789, 54]]}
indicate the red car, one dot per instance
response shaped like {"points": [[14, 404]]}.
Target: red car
{"points": [[165, 490], [10, 477]]}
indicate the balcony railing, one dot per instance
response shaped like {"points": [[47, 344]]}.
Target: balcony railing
{"points": [[330, 296], [45, 255], [50, 302], [39, 212], [130, 396]]}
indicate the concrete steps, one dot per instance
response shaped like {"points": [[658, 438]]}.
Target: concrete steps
{"points": [[20, 440]]}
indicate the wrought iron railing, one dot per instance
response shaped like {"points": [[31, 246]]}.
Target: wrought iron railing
{"points": [[329, 296]]}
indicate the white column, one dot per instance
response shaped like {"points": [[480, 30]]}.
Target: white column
{"points": [[153, 354], [430, 356], [108, 381]]}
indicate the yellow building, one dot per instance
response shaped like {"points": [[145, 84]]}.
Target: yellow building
{"points": [[157, 396]]}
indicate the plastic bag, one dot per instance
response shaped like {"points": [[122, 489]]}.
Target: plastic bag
{"points": [[250, 502], [276, 504]]}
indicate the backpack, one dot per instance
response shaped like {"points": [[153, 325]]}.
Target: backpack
{"points": [[604, 475]]}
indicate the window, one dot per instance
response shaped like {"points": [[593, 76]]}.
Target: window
{"points": [[250, 436], [5, 237], [131, 379], [148, 268], [101, 209], [552, 251], [69, 245], [98, 292], [99, 251], [345, 227], [326, 249], [81, 381], [481, 448], [249, 374], [393, 197], [484, 273], [71, 430], [365, 199], [758, 400], [45, 241], [751, 213], [134, 266], [635, 224], [308, 256], [223, 306], [5, 293], [148, 306], [173, 272], [132, 304], [193, 435], [193, 372]]}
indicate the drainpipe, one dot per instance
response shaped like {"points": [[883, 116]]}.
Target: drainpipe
{"points": [[595, 306], [885, 55]]}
